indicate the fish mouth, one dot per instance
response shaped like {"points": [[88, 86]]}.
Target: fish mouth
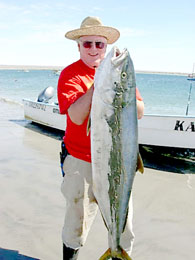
{"points": [[118, 56]]}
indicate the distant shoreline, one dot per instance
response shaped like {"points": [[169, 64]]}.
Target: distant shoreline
{"points": [[58, 68], [29, 67]]}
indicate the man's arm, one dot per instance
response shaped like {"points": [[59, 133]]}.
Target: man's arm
{"points": [[80, 109]]}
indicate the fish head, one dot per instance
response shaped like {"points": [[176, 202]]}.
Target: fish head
{"points": [[115, 75], [125, 87]]}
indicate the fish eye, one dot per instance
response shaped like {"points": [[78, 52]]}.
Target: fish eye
{"points": [[123, 75]]}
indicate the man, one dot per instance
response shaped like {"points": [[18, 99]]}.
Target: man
{"points": [[75, 91]]}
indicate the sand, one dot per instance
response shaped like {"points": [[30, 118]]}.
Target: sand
{"points": [[32, 207]]}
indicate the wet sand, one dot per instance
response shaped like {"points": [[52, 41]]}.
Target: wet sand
{"points": [[32, 207]]}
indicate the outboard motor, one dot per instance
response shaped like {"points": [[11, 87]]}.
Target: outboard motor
{"points": [[46, 94]]}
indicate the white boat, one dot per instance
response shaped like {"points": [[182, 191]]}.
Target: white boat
{"points": [[156, 130], [192, 75]]}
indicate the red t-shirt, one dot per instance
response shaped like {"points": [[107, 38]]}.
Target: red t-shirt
{"points": [[74, 81]]}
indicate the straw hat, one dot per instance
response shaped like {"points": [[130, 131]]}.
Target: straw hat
{"points": [[93, 26]]}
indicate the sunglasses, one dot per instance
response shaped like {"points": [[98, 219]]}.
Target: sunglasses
{"points": [[89, 44]]}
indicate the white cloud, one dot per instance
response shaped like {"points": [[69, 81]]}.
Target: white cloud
{"points": [[6, 6], [129, 32], [162, 59], [96, 8]]}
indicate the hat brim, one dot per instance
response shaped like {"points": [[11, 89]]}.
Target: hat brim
{"points": [[110, 33]]}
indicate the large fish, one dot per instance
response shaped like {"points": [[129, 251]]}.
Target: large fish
{"points": [[114, 143]]}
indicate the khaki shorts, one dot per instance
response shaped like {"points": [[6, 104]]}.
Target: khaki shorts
{"points": [[81, 207]]}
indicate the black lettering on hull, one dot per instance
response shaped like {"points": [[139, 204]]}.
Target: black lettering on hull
{"points": [[180, 126]]}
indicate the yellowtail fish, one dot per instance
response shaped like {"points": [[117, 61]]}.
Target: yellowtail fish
{"points": [[114, 144]]}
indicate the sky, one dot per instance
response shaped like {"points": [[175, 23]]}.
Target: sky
{"points": [[160, 35]]}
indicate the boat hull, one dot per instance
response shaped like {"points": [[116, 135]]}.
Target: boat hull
{"points": [[169, 131], [44, 114], [159, 130]]}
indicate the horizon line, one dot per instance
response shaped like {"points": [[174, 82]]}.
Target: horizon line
{"points": [[50, 67]]}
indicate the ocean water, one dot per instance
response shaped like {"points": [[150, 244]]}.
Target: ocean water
{"points": [[18, 84], [162, 94]]}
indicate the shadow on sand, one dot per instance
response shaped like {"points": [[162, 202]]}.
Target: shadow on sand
{"points": [[168, 159], [7, 254], [41, 129]]}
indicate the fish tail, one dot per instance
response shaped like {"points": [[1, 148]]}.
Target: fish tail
{"points": [[119, 254]]}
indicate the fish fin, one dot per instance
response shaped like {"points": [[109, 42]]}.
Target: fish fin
{"points": [[106, 255], [140, 165], [118, 254], [89, 125], [126, 219]]}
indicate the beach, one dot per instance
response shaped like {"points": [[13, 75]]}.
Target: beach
{"points": [[32, 206]]}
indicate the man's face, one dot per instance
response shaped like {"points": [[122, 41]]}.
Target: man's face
{"points": [[92, 50]]}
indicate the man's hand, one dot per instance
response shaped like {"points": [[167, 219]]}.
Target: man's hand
{"points": [[140, 109]]}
